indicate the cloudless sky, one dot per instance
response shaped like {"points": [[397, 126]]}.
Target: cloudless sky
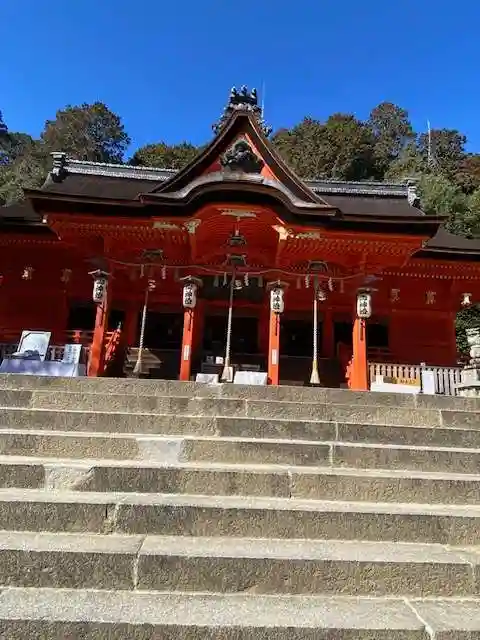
{"points": [[166, 66]]}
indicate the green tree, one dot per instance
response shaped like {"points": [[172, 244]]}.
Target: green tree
{"points": [[467, 174], [350, 148], [466, 319], [341, 148], [165, 156], [4, 141], [447, 150], [27, 168], [440, 196], [87, 132], [392, 133], [301, 147]]}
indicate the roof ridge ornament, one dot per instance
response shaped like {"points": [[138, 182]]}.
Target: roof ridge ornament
{"points": [[412, 194], [241, 157], [59, 171], [242, 101]]}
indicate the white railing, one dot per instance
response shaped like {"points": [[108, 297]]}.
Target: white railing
{"points": [[446, 378]]}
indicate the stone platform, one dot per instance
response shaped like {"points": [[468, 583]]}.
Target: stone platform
{"points": [[149, 509]]}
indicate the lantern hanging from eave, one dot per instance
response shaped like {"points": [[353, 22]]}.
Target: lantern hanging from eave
{"points": [[100, 284], [277, 302], [190, 292], [364, 304]]}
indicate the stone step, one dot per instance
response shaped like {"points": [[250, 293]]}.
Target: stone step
{"points": [[241, 565], [56, 614], [194, 405], [125, 386], [188, 408], [319, 483], [172, 450], [236, 516], [76, 433]]}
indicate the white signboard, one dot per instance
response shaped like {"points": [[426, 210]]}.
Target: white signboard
{"points": [[33, 344], [72, 354], [251, 377]]}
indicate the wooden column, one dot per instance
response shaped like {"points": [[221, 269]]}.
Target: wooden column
{"points": [[328, 338], [359, 367], [274, 349], [130, 326], [187, 344], [96, 362]]}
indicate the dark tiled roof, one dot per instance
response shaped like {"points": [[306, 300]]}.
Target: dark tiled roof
{"points": [[98, 186], [443, 240], [368, 205], [19, 213], [122, 182]]}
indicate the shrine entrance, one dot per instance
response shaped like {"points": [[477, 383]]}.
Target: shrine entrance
{"points": [[246, 353]]}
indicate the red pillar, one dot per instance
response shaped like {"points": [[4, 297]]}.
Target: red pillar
{"points": [[130, 326], [359, 367], [187, 344], [96, 363], [274, 349]]}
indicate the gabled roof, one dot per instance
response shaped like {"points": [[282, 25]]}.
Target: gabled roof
{"points": [[241, 123]]}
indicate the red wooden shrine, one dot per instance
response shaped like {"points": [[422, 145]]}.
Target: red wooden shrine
{"points": [[237, 211]]}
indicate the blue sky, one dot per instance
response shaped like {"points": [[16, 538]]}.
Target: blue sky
{"points": [[166, 66]]}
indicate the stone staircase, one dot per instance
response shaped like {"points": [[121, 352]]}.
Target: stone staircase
{"points": [[146, 509]]}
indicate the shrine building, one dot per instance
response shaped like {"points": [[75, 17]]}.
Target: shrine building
{"points": [[320, 277]]}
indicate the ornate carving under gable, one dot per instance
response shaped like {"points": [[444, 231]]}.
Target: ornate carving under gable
{"points": [[242, 101], [241, 157]]}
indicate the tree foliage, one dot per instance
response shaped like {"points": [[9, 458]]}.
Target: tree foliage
{"points": [[341, 148], [87, 132], [392, 134], [166, 156]]}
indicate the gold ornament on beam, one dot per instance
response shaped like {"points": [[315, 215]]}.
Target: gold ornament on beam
{"points": [[27, 273], [66, 276], [430, 297], [466, 299], [395, 295]]}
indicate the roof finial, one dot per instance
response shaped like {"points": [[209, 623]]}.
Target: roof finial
{"points": [[242, 101]]}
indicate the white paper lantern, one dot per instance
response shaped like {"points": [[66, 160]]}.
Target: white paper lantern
{"points": [[100, 284], [364, 304], [190, 295], [99, 289], [277, 303]]}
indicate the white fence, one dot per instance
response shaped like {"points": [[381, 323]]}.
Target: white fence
{"points": [[446, 378]]}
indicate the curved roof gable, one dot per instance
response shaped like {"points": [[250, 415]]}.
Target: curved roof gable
{"points": [[241, 125]]}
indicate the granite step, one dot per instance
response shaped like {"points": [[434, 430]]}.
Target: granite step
{"points": [[82, 433], [236, 516], [206, 478], [172, 450], [56, 614], [123, 386], [241, 565], [192, 405]]}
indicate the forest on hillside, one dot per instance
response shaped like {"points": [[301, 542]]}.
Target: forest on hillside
{"points": [[384, 147]]}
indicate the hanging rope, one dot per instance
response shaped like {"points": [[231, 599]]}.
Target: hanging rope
{"points": [[315, 378], [138, 365], [226, 373]]}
